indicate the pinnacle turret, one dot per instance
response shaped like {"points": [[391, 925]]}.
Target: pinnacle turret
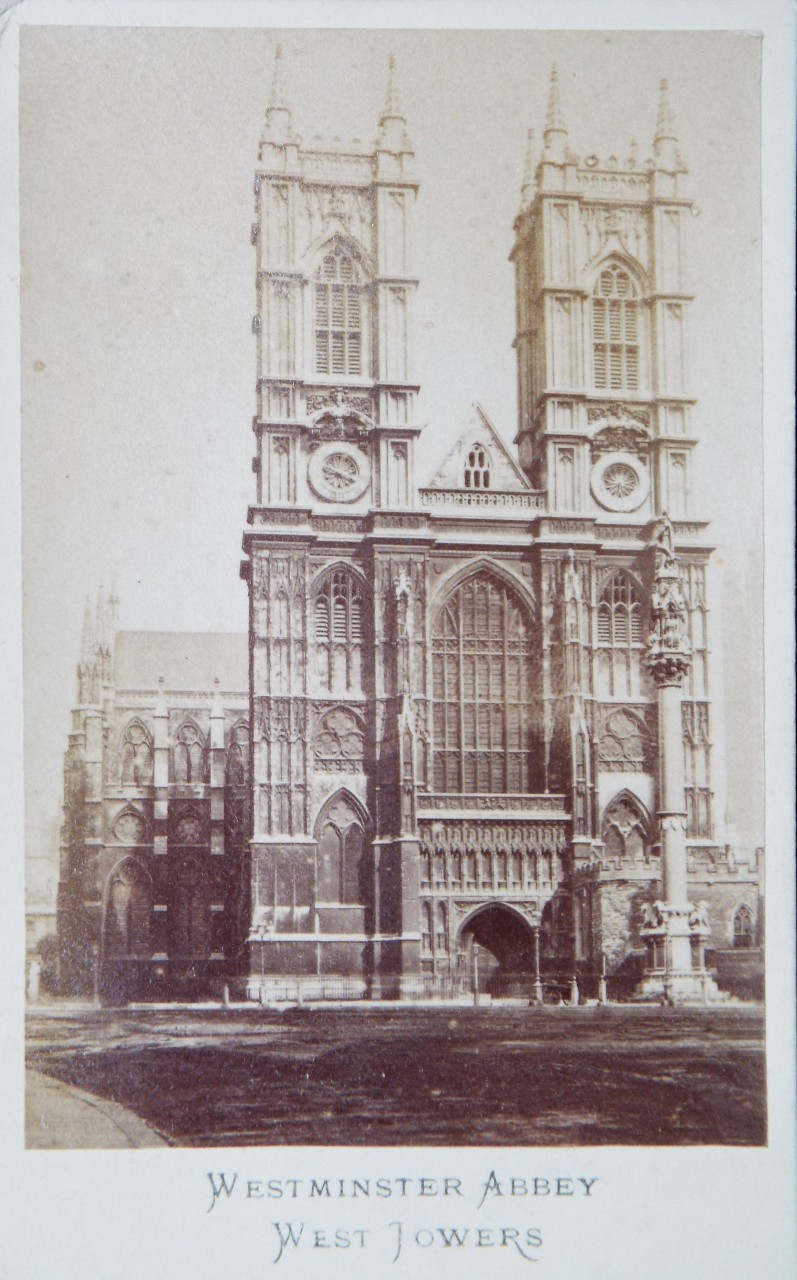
{"points": [[87, 637], [278, 114], [555, 135], [392, 134], [665, 142], [527, 189]]}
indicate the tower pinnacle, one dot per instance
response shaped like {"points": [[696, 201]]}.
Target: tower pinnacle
{"points": [[278, 115], [665, 142], [87, 637], [527, 189], [555, 135], [392, 135]]}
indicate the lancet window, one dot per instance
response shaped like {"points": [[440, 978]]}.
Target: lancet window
{"points": [[189, 754], [615, 331], [620, 638], [743, 928], [238, 756], [342, 872], [136, 756], [339, 308], [477, 468], [624, 830], [481, 690], [128, 913]]}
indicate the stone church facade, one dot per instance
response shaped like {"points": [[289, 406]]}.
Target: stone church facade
{"points": [[437, 761]]}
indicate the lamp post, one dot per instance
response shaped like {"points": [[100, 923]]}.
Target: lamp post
{"points": [[476, 950], [537, 996]]}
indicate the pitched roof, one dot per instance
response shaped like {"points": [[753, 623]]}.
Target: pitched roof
{"points": [[507, 476], [185, 659]]}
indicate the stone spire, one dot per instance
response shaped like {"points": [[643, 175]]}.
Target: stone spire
{"points": [[665, 143], [555, 135], [278, 114], [87, 637], [392, 135], [101, 620], [527, 189]]}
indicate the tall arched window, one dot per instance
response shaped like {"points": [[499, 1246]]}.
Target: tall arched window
{"points": [[136, 755], [189, 754], [620, 638], [128, 912], [342, 871], [615, 331], [338, 620], [339, 306], [481, 690], [237, 755], [624, 830], [743, 928]]}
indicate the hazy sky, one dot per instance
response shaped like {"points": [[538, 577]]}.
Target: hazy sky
{"points": [[138, 149]]}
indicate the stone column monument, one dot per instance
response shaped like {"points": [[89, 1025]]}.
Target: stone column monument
{"points": [[675, 931]]}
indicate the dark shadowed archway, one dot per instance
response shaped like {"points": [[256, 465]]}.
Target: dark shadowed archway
{"points": [[505, 956]]}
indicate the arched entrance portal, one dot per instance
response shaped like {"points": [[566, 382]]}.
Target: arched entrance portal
{"points": [[498, 948]]}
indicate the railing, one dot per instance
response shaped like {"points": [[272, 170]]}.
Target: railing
{"points": [[482, 498], [504, 802]]}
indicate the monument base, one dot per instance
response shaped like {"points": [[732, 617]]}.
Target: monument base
{"points": [[684, 986]]}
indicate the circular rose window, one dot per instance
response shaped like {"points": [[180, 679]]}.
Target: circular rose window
{"points": [[619, 482]]}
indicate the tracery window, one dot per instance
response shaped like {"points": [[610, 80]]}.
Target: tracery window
{"points": [[477, 468], [128, 913], [624, 830], [615, 331], [620, 638], [743, 928], [624, 743], [338, 618], [339, 307], [481, 690], [136, 755], [189, 754], [342, 872]]}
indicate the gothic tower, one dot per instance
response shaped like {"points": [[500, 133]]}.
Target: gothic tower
{"points": [[606, 431], [333, 880]]}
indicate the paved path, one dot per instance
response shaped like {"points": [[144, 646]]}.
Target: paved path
{"points": [[57, 1116]]}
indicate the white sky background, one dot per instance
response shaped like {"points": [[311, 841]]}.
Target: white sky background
{"points": [[138, 149]]}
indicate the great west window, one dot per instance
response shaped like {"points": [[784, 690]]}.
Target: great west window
{"points": [[481, 690]]}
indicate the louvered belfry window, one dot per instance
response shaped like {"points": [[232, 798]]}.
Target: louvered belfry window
{"points": [[481, 690], [615, 332], [338, 315]]}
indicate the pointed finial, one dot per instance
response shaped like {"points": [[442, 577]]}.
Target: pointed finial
{"points": [[392, 105], [160, 698], [665, 123], [275, 99], [87, 637], [216, 708], [555, 135], [554, 120], [527, 189], [633, 158], [101, 619]]}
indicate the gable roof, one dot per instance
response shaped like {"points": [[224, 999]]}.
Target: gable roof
{"points": [[506, 476], [185, 659]]}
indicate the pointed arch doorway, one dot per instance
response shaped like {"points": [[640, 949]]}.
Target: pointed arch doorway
{"points": [[497, 946]]}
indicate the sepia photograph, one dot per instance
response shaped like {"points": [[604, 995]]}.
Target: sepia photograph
{"points": [[393, 512]]}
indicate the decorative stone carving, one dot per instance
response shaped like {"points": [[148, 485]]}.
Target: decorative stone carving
{"points": [[130, 827], [339, 741], [624, 743], [188, 827], [669, 655]]}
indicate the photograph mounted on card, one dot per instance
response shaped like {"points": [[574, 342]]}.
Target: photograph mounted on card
{"points": [[392, 782]]}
